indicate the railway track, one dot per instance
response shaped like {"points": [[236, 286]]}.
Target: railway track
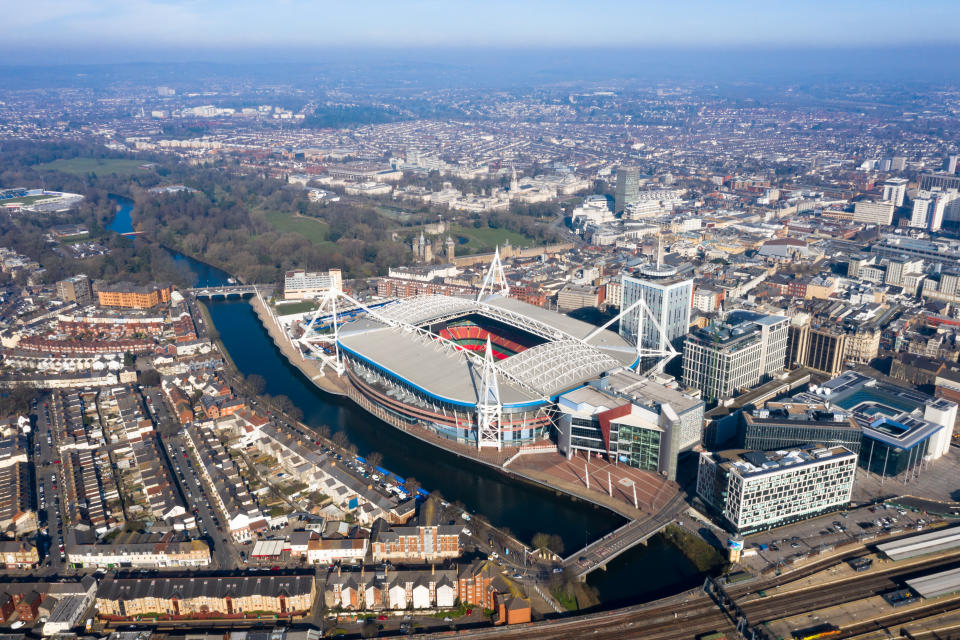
{"points": [[896, 619], [687, 620]]}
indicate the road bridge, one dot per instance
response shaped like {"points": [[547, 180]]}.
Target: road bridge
{"points": [[599, 552], [227, 291]]}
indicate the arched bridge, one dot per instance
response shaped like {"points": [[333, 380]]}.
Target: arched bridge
{"points": [[238, 290]]}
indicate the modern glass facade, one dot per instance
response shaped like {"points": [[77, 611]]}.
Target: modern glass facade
{"points": [[768, 434], [638, 447], [889, 460]]}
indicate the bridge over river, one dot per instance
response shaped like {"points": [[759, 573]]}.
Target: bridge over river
{"points": [[228, 291], [598, 553]]}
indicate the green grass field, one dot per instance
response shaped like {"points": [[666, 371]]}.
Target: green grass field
{"points": [[313, 230], [295, 307], [394, 213], [486, 239], [84, 166], [26, 199]]}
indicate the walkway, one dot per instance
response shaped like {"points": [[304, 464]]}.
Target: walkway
{"points": [[310, 368], [598, 553]]}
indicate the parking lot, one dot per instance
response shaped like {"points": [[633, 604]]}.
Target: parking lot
{"points": [[780, 544]]}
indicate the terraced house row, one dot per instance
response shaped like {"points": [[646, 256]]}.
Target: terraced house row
{"points": [[206, 596]]}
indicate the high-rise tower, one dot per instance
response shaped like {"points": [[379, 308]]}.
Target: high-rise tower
{"points": [[628, 187]]}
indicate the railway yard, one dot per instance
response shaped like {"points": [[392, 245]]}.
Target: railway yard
{"points": [[827, 598]]}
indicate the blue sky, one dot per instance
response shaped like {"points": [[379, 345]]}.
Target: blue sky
{"points": [[98, 25]]}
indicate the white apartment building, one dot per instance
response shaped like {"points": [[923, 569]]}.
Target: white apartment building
{"points": [[614, 293], [667, 295], [758, 490], [723, 359], [705, 300], [932, 208], [302, 285], [873, 212], [328, 551], [894, 190]]}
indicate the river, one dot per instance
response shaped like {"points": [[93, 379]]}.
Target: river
{"points": [[642, 573]]}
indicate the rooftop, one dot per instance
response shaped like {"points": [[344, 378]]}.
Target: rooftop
{"points": [[747, 463]]}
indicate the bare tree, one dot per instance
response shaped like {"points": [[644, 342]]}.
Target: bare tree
{"points": [[541, 541], [340, 439], [412, 485], [374, 458], [256, 383]]}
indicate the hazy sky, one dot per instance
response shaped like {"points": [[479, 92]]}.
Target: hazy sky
{"points": [[95, 26]]}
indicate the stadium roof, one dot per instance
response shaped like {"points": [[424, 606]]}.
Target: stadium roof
{"points": [[389, 340]]}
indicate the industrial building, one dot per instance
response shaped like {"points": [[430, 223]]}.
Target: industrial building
{"points": [[936, 584], [758, 490], [922, 544]]}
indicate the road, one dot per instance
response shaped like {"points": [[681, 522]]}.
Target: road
{"points": [[211, 528], [601, 551], [48, 491], [697, 614]]}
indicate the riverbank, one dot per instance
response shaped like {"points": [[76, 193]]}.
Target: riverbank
{"points": [[310, 368], [545, 468]]}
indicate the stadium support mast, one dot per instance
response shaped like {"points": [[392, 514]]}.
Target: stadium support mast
{"points": [[325, 345], [488, 407], [664, 352], [495, 277]]}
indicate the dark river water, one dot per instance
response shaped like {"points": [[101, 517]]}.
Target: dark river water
{"points": [[642, 573]]}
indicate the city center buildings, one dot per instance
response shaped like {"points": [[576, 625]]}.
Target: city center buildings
{"points": [[757, 490], [668, 295], [726, 357]]}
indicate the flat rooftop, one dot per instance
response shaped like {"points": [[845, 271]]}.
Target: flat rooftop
{"points": [[922, 544], [748, 463], [936, 584]]}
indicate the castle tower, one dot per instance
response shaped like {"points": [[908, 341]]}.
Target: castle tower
{"points": [[450, 246]]}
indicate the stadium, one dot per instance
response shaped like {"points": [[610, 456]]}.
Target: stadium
{"points": [[483, 372]]}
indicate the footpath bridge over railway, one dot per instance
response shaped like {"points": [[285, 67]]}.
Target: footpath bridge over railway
{"points": [[599, 552]]}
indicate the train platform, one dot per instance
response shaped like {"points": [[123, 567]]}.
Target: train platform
{"points": [[849, 614]]}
